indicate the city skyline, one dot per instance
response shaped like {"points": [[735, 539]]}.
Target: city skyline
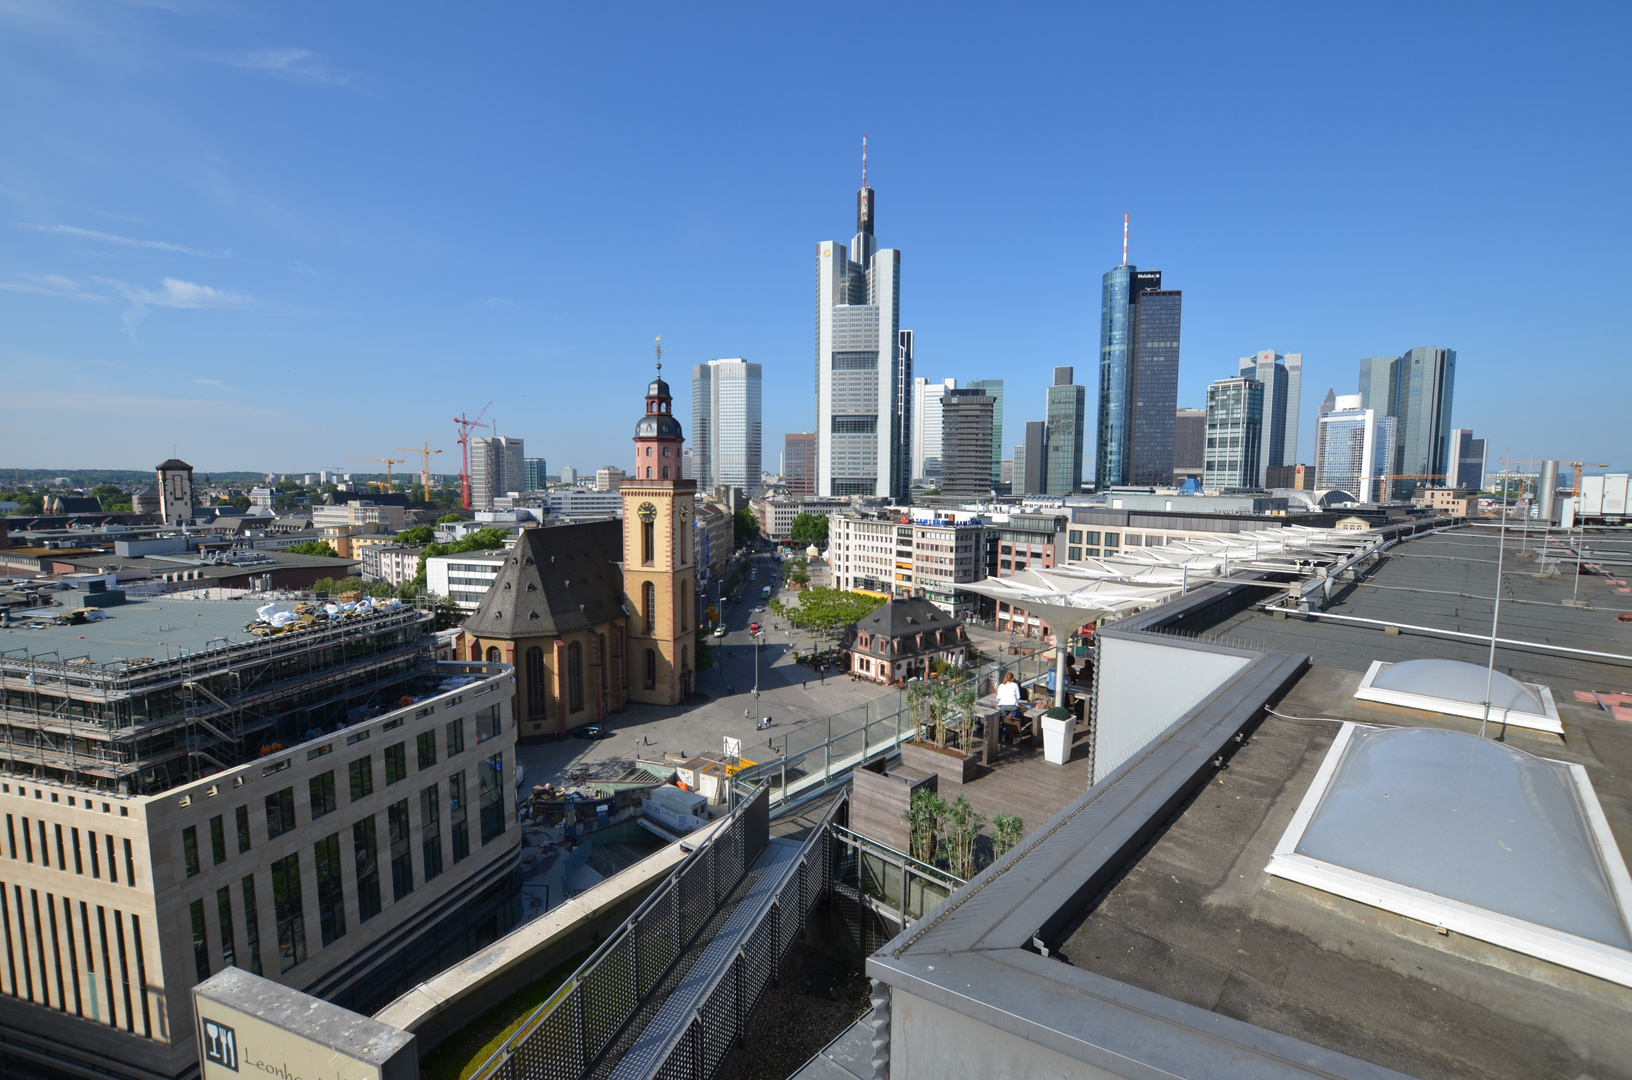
{"points": [[193, 280]]}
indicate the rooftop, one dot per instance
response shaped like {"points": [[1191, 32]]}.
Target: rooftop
{"points": [[154, 628]]}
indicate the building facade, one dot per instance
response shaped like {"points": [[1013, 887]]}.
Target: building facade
{"points": [[1467, 462], [994, 390], [175, 491], [1024, 542], [1066, 409], [799, 464], [1282, 379], [966, 443], [725, 424], [1189, 444], [1356, 450], [1031, 460], [927, 427], [899, 553], [533, 473], [1138, 378], [1235, 432], [464, 578], [497, 467], [1424, 386], [863, 366]]}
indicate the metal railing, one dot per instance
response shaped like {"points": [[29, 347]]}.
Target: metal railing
{"points": [[810, 757], [896, 884], [587, 1026]]}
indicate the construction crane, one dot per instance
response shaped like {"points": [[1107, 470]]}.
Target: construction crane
{"points": [[466, 424], [1578, 466], [389, 461], [425, 475]]}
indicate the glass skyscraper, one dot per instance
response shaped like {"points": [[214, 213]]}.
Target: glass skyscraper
{"points": [[1416, 389], [994, 390], [1066, 419], [1282, 377], [725, 424], [1355, 450], [863, 365], [1235, 431], [1138, 378]]}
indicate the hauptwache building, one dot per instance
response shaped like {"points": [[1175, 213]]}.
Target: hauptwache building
{"points": [[595, 615]]}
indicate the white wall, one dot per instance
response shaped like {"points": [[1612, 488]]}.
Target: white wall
{"points": [[1143, 687]]}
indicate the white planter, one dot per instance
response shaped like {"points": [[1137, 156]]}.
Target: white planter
{"points": [[1057, 736]]}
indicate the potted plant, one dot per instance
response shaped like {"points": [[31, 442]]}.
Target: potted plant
{"points": [[1059, 728], [932, 705]]}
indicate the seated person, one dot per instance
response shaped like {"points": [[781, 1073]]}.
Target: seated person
{"points": [[1008, 697]]}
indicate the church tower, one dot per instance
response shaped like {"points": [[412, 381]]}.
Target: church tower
{"points": [[659, 560]]}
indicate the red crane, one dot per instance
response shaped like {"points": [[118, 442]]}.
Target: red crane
{"points": [[465, 424]]}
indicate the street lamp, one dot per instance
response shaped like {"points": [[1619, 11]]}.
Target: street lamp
{"points": [[757, 634]]}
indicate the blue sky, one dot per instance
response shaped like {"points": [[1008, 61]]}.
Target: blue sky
{"points": [[281, 235]]}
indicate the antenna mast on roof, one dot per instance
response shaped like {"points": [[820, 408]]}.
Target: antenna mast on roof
{"points": [[1124, 239], [864, 159]]}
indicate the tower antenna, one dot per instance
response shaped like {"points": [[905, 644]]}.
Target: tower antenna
{"points": [[658, 352], [1124, 239], [863, 159]]}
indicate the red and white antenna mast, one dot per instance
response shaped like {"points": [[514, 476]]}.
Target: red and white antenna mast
{"points": [[1124, 239], [863, 159]]}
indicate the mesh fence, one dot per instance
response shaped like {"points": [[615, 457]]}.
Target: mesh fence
{"points": [[586, 1028]]}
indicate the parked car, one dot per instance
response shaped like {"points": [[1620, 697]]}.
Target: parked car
{"points": [[719, 631], [591, 731]]}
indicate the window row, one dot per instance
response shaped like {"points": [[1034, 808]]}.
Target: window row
{"points": [[79, 958], [40, 840]]}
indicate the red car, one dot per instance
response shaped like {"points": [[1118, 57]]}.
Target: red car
{"points": [[753, 628]]}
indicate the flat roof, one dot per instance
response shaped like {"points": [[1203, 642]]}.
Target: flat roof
{"points": [[1195, 917], [1446, 581], [155, 628]]}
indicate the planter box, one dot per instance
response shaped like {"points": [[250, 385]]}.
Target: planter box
{"points": [[952, 766], [879, 801], [1057, 736]]}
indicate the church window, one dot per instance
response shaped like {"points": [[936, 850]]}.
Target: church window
{"points": [[648, 544], [665, 472], [575, 677], [665, 451], [648, 451], [648, 606], [648, 472], [493, 655], [535, 682], [651, 669]]}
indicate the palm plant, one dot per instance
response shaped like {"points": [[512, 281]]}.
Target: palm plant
{"points": [[1006, 832], [957, 847], [924, 814]]}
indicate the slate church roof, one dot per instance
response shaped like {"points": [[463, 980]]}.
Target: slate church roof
{"points": [[558, 579]]}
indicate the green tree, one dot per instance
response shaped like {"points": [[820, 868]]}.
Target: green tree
{"points": [[809, 529], [480, 540], [958, 845], [745, 526], [924, 815], [240, 501], [313, 547], [446, 519], [418, 536], [1006, 832], [829, 610]]}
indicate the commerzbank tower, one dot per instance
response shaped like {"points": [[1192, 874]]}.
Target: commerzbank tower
{"points": [[863, 364]]}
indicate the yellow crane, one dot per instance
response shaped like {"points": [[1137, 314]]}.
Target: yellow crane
{"points": [[1578, 466], [425, 475], [389, 461]]}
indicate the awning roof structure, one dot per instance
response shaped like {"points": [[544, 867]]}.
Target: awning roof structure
{"points": [[1068, 599], [1294, 550]]}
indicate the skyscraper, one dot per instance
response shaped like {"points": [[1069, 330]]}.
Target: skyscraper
{"points": [[1282, 377], [1235, 430], [1138, 377], [497, 467], [926, 426], [799, 463], [1467, 462], [533, 468], [863, 364], [1189, 443], [1377, 390], [994, 390], [725, 424], [1067, 412], [1031, 459], [1423, 387], [1355, 449], [966, 443]]}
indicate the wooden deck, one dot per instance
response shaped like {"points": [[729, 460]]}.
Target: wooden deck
{"points": [[1022, 782]]}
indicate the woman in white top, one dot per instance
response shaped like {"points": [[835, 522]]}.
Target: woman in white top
{"points": [[1008, 696]]}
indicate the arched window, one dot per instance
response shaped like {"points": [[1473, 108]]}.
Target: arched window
{"points": [[493, 654], [651, 669], [665, 472], [648, 606], [575, 677], [535, 682], [648, 451], [648, 541], [665, 451]]}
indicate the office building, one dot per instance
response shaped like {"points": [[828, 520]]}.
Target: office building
{"points": [[863, 365], [175, 491], [799, 464], [994, 390], [898, 553], [497, 467], [1031, 460], [1282, 378], [274, 814], [1297, 477], [1235, 431], [1189, 444], [532, 469], [1424, 384], [1467, 462], [569, 475], [966, 443], [464, 578], [1066, 408], [1355, 450], [608, 478], [926, 427], [1138, 378], [725, 424], [1377, 384]]}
